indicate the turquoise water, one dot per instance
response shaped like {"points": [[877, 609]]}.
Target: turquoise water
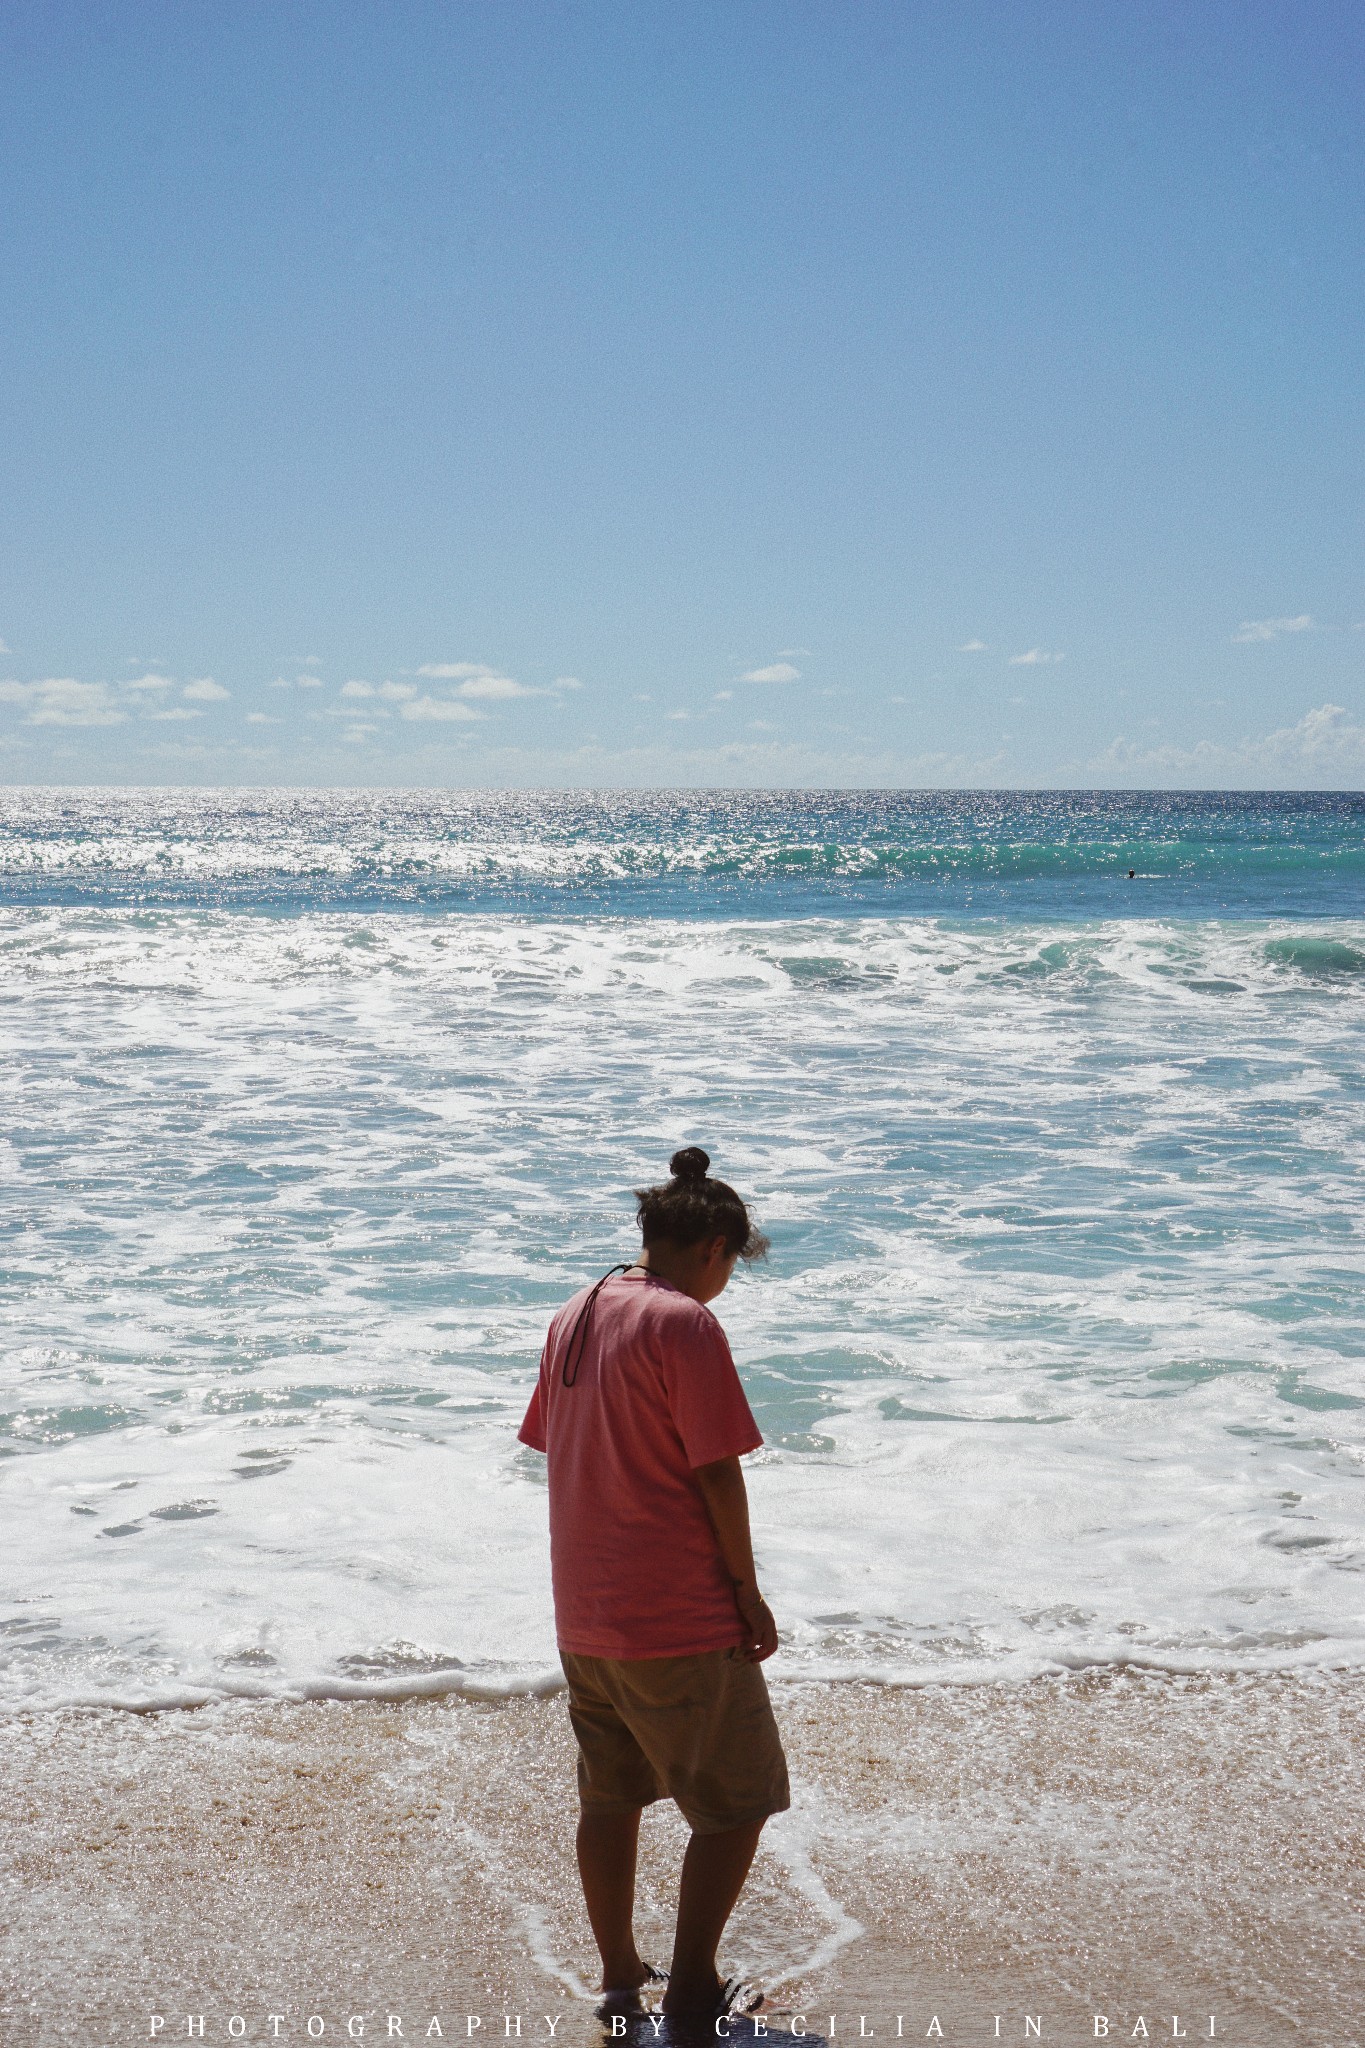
{"points": [[316, 1105], [776, 853]]}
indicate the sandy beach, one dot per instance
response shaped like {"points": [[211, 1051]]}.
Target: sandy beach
{"points": [[1125, 1845]]}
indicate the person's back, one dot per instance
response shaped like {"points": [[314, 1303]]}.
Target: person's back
{"points": [[652, 1396], [661, 1627]]}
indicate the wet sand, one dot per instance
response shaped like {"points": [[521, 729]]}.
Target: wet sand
{"points": [[1114, 1844]]}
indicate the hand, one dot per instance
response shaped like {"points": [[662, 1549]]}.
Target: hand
{"points": [[760, 1627]]}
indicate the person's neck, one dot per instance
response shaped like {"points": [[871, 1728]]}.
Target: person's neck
{"points": [[663, 1262], [685, 1267]]}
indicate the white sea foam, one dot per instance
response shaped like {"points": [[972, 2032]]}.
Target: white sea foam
{"points": [[1057, 1355]]}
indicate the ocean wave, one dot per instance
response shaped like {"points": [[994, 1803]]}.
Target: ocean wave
{"points": [[868, 961], [1315, 955], [58, 1692]]}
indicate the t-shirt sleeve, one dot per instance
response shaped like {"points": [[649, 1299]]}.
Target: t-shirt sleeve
{"points": [[705, 1397], [532, 1431]]}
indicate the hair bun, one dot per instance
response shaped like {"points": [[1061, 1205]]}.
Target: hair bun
{"points": [[689, 1164]]}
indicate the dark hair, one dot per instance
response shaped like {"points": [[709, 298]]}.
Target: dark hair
{"points": [[692, 1206]]}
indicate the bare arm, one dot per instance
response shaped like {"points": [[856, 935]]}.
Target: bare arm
{"points": [[727, 1503]]}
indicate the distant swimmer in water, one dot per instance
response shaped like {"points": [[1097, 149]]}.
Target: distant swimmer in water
{"points": [[1132, 874], [660, 1622]]}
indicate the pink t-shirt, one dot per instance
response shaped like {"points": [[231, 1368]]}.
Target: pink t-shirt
{"points": [[636, 1566]]}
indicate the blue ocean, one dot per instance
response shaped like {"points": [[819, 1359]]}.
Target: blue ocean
{"points": [[317, 1104]]}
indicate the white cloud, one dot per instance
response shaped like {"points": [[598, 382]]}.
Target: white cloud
{"points": [[357, 689], [723, 696], [1327, 746], [677, 714], [777, 672], [308, 682], [397, 693], [260, 718], [1037, 657], [1252, 630], [972, 647], [61, 700], [489, 685], [4, 649], [448, 708], [497, 689], [357, 734]]}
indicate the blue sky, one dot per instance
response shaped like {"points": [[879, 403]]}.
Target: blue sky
{"points": [[507, 394]]}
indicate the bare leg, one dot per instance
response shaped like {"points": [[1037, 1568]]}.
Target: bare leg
{"points": [[606, 1863], [713, 1874]]}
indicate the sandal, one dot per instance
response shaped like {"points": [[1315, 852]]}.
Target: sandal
{"points": [[622, 1996], [738, 1999]]}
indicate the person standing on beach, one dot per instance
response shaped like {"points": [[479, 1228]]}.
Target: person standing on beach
{"points": [[660, 1622]]}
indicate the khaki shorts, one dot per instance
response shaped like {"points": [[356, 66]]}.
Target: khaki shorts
{"points": [[698, 1730]]}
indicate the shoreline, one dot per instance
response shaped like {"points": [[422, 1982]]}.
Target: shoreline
{"points": [[545, 1684], [1115, 1844]]}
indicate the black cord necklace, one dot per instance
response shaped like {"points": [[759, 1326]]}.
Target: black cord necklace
{"points": [[581, 1325]]}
